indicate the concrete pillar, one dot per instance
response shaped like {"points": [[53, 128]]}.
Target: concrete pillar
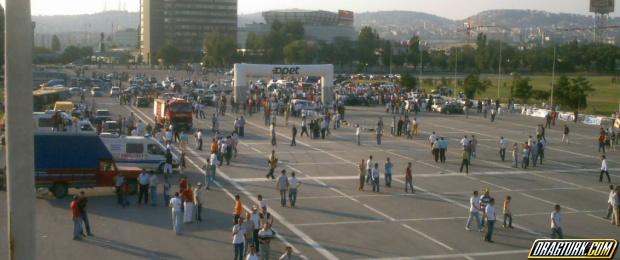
{"points": [[327, 86], [240, 85], [19, 130]]}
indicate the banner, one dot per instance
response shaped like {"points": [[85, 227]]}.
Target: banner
{"points": [[566, 116], [592, 120]]}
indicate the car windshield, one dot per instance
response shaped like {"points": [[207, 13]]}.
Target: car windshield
{"points": [[181, 108], [103, 113]]}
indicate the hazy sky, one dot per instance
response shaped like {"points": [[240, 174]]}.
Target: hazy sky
{"points": [[455, 9]]}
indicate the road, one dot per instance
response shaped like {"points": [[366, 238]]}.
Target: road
{"points": [[333, 220]]}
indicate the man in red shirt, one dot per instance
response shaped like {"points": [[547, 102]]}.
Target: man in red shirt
{"points": [[77, 222]]}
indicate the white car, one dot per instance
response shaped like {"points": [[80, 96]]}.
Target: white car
{"points": [[115, 91]]}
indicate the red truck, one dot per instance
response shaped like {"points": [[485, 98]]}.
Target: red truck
{"points": [[175, 111], [77, 161]]}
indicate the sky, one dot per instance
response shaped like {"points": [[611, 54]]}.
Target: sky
{"points": [[453, 9]]}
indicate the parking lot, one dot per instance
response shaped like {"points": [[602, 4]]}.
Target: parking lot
{"points": [[333, 220]]}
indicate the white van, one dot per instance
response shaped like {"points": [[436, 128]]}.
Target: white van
{"points": [[137, 151], [43, 124]]}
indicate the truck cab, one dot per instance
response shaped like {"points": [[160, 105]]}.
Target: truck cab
{"points": [[76, 161]]}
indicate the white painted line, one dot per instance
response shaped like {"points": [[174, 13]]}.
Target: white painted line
{"points": [[461, 255], [547, 201], [301, 178], [309, 241], [428, 237], [340, 223]]}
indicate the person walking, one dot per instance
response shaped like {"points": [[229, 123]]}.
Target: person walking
{"points": [[615, 203], [388, 172], [601, 141], [610, 208], [272, 161], [474, 207], [515, 155], [282, 185], [473, 144], [272, 131], [255, 219], [369, 165], [525, 160], [166, 191], [362, 171], [252, 254], [507, 213], [238, 209], [443, 148], [238, 238], [375, 178], [465, 161], [379, 133], [490, 216], [288, 254], [604, 169], [358, 134], [265, 235], [565, 134], [75, 216], [409, 179], [541, 150], [143, 180], [153, 183], [294, 135], [119, 185], [82, 204], [198, 201], [502, 148], [534, 153], [294, 184], [175, 204], [198, 137], [435, 149], [188, 204], [304, 127], [556, 223]]}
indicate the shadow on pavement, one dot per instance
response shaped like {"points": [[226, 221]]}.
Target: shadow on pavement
{"points": [[129, 249]]}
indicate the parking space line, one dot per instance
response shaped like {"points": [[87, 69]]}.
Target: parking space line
{"points": [[427, 237], [547, 201], [462, 255], [307, 239]]}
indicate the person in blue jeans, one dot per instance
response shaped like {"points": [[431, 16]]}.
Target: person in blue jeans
{"points": [[77, 220], [238, 238], [388, 172], [490, 215]]}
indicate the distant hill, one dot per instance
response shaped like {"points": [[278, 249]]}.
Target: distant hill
{"points": [[98, 22], [395, 25]]}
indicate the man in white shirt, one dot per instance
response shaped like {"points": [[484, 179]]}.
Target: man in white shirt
{"points": [[610, 208], [238, 235], [199, 139], [490, 213], [604, 169], [432, 138], [292, 190], [177, 215], [464, 142], [212, 168], [282, 185], [358, 134], [369, 165], [502, 148], [255, 218], [474, 206], [265, 235], [144, 180], [556, 226]]}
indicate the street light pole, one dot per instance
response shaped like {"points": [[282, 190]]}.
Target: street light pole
{"points": [[420, 70], [553, 76], [19, 130], [499, 71], [456, 65]]}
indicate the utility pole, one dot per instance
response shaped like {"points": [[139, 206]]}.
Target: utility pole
{"points": [[420, 69], [456, 65], [499, 71], [19, 130], [553, 75]]}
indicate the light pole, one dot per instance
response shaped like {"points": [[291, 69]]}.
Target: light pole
{"points": [[456, 65], [19, 131], [420, 70], [553, 75]]}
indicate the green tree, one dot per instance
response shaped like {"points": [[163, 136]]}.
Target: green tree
{"points": [[573, 94], [414, 50], [220, 50], [169, 55], [367, 44], [255, 47], [473, 85], [408, 82], [387, 54], [344, 51], [74, 53], [522, 88], [55, 43], [297, 52]]}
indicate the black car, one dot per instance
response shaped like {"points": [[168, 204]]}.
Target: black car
{"points": [[141, 102]]}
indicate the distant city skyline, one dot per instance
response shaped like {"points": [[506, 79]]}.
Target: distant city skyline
{"points": [[453, 9]]}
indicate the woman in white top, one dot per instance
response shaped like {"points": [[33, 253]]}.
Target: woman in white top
{"points": [[238, 236]]}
